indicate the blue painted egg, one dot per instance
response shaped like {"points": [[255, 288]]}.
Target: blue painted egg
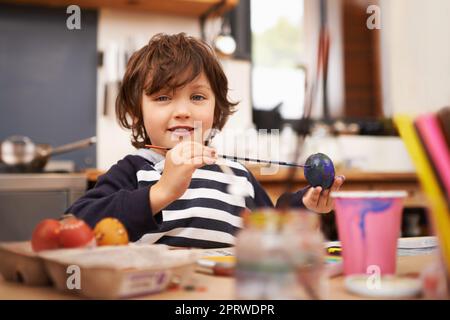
{"points": [[319, 170]]}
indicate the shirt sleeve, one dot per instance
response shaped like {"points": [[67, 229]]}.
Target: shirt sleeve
{"points": [[292, 199], [117, 195], [262, 199]]}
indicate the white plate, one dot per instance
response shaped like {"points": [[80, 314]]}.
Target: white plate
{"points": [[388, 287]]}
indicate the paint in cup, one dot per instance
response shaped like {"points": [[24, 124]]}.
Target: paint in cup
{"points": [[369, 224]]}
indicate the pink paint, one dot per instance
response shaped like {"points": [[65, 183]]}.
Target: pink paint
{"points": [[369, 227]]}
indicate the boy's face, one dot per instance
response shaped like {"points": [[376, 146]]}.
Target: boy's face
{"points": [[172, 116]]}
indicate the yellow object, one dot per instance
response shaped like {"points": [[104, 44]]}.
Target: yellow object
{"points": [[110, 232], [334, 250], [224, 259], [439, 210]]}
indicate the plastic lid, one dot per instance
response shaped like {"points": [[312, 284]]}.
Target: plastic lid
{"points": [[388, 286], [369, 194]]}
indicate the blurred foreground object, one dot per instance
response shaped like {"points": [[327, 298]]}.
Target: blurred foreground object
{"points": [[439, 209]]}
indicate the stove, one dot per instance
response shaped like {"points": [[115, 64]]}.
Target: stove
{"points": [[53, 166]]}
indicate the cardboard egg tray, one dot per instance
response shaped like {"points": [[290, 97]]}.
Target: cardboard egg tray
{"points": [[103, 272], [19, 263]]}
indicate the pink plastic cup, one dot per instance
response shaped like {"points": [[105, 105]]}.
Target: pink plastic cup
{"points": [[369, 224]]}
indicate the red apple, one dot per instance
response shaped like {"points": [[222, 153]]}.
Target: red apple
{"points": [[46, 235], [75, 233]]}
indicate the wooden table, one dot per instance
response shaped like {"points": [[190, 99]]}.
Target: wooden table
{"points": [[217, 288]]}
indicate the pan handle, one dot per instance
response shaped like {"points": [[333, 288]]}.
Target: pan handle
{"points": [[72, 146]]}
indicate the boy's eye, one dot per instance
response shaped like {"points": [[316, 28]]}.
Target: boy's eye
{"points": [[162, 98], [198, 97]]}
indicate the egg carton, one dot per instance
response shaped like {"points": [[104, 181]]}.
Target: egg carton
{"points": [[119, 271], [111, 272], [18, 263]]}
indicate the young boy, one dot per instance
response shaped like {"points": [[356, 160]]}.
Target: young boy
{"points": [[174, 90]]}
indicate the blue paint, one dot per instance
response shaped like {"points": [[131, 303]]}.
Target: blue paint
{"points": [[371, 205], [319, 170]]}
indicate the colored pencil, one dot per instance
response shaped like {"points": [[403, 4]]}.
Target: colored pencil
{"points": [[438, 205]]}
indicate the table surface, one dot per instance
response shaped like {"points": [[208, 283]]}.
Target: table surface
{"points": [[215, 287]]}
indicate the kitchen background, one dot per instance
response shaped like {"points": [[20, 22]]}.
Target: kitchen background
{"points": [[58, 85]]}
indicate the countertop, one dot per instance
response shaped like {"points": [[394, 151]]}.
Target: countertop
{"points": [[216, 287]]}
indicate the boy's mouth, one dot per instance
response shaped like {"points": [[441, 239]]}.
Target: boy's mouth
{"points": [[181, 131]]}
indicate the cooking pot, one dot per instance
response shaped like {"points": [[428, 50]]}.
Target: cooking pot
{"points": [[20, 154]]}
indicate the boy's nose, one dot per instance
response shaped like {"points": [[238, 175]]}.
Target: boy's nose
{"points": [[182, 111]]}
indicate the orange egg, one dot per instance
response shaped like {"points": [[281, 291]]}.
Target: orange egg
{"points": [[110, 232]]}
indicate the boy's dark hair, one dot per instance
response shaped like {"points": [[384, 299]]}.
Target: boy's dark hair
{"points": [[169, 62]]}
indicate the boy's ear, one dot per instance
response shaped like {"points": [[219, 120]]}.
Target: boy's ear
{"points": [[134, 119]]}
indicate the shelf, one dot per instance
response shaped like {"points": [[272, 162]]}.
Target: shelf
{"points": [[275, 184], [191, 8], [350, 175]]}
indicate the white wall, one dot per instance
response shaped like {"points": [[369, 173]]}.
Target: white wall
{"points": [[415, 37], [238, 73], [116, 28]]}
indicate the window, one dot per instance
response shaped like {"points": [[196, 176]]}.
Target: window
{"points": [[277, 50]]}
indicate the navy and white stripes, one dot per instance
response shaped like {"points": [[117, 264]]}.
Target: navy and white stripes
{"points": [[205, 216], [206, 213]]}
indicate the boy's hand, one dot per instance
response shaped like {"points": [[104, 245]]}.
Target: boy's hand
{"points": [[321, 202], [181, 162]]}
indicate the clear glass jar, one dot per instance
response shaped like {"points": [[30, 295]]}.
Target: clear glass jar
{"points": [[280, 255]]}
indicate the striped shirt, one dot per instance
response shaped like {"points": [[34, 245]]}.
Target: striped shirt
{"points": [[207, 215]]}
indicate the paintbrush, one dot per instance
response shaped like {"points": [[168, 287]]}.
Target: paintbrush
{"points": [[281, 163]]}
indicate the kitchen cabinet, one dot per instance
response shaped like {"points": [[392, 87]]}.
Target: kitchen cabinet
{"points": [[194, 8], [26, 199]]}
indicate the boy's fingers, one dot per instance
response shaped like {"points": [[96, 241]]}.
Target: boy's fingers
{"points": [[323, 200], [315, 195], [338, 182], [209, 160], [329, 200], [194, 149], [209, 152], [308, 197], [324, 196], [199, 162], [194, 153]]}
